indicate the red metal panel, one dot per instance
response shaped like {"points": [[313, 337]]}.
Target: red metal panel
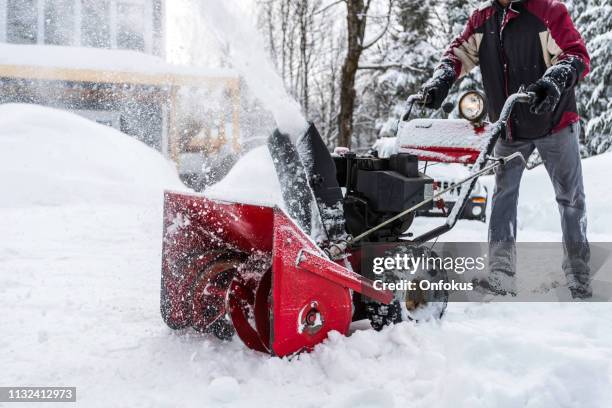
{"points": [[305, 306], [210, 223], [342, 276], [443, 154]]}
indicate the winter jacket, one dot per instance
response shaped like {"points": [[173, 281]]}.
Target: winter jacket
{"points": [[515, 46]]}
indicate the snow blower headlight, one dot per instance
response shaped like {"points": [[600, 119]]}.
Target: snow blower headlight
{"points": [[472, 106]]}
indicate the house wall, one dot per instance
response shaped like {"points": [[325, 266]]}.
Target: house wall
{"points": [[116, 24]]}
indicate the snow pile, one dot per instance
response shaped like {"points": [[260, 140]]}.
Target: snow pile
{"points": [[79, 292], [252, 180], [50, 157]]}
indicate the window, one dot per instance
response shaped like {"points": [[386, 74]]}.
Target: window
{"points": [[130, 26], [21, 19], [59, 21], [95, 23]]}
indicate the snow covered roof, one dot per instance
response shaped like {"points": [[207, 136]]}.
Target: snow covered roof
{"points": [[51, 62]]}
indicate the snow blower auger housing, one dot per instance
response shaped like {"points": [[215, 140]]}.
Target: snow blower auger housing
{"points": [[238, 268], [282, 279]]}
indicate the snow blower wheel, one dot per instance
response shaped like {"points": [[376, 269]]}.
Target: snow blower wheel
{"points": [[410, 305]]}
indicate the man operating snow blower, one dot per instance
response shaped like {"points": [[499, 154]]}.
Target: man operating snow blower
{"points": [[532, 43]]}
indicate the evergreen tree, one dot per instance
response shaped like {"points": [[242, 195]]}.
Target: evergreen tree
{"points": [[459, 12], [425, 30], [407, 62], [595, 93]]}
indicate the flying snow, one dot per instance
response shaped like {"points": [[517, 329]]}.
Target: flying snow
{"points": [[233, 27]]}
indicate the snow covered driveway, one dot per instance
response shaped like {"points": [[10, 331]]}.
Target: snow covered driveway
{"points": [[79, 300]]}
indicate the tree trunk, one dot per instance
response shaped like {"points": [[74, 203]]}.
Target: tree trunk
{"points": [[356, 23], [304, 27]]}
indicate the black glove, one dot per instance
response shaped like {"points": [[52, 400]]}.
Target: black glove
{"points": [[549, 88], [547, 96], [436, 89]]}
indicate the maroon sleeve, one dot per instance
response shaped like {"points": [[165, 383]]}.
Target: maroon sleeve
{"points": [[462, 53], [558, 21], [450, 56]]}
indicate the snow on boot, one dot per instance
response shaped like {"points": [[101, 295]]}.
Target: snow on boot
{"points": [[498, 283], [577, 270], [579, 285]]}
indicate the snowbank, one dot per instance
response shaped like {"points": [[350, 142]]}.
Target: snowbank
{"points": [[50, 157], [252, 180]]}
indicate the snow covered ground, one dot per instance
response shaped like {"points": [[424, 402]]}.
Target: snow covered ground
{"points": [[80, 217]]}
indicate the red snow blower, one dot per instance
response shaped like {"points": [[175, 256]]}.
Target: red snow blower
{"points": [[282, 279]]}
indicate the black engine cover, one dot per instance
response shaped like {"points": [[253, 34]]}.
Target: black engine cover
{"points": [[391, 192]]}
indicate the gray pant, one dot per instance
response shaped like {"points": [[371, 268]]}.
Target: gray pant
{"points": [[561, 155]]}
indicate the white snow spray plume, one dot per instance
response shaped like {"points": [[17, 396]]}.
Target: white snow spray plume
{"points": [[232, 26]]}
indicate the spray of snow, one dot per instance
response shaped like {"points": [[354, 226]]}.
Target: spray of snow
{"points": [[232, 26]]}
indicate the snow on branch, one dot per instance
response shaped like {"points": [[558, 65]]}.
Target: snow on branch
{"points": [[383, 31], [383, 67]]}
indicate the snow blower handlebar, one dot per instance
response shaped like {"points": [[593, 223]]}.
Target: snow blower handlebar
{"points": [[479, 169], [412, 99]]}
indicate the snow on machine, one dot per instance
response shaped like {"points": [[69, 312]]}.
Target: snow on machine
{"points": [[282, 278]]}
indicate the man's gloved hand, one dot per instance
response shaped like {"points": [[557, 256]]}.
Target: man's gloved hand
{"points": [[547, 96], [549, 88], [436, 89]]}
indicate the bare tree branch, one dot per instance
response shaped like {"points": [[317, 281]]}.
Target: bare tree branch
{"points": [[383, 67], [324, 9], [384, 31]]}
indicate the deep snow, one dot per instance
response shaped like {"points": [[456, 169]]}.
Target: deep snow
{"points": [[54, 158], [79, 297]]}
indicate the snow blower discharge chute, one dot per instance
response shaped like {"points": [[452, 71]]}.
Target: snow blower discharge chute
{"points": [[282, 279]]}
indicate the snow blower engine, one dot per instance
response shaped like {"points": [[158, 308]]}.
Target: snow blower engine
{"points": [[282, 278]]}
